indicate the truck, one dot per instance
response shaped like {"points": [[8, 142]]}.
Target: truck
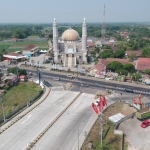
{"points": [[143, 114]]}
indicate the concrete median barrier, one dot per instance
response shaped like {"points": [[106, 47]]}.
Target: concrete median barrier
{"points": [[53, 122]]}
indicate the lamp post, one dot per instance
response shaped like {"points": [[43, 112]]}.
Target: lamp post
{"points": [[101, 127], [120, 97], [78, 137]]}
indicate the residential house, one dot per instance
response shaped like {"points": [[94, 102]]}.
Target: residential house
{"points": [[137, 53], [14, 56], [124, 34], [143, 64], [30, 51], [23, 78], [100, 67]]}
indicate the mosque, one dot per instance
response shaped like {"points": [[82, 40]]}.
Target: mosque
{"points": [[70, 49]]}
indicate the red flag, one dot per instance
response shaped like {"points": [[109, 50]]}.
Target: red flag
{"points": [[100, 104], [95, 108]]}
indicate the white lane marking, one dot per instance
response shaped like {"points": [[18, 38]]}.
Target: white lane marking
{"points": [[4, 142], [26, 119], [59, 131], [69, 135], [60, 100]]}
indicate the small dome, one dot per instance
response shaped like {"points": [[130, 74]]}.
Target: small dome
{"points": [[70, 35]]}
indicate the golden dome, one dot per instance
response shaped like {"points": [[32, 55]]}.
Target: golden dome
{"points": [[70, 35]]}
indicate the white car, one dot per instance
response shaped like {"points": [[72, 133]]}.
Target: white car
{"points": [[102, 77], [69, 75], [5, 69], [109, 78], [56, 78]]}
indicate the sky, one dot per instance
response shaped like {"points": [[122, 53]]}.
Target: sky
{"points": [[67, 11]]}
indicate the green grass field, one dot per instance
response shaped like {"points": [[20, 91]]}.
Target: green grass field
{"points": [[19, 95], [17, 46]]}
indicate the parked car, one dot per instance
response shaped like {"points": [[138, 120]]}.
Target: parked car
{"points": [[145, 123], [30, 73], [109, 78], [102, 77], [56, 78], [5, 69], [47, 61], [92, 75], [128, 90]]}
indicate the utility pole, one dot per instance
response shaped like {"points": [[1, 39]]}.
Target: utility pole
{"points": [[78, 137], [101, 128], [120, 97]]}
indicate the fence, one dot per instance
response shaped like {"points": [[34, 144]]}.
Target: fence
{"points": [[21, 107]]}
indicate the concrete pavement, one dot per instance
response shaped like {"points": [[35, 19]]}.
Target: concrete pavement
{"points": [[26, 110], [28, 127]]}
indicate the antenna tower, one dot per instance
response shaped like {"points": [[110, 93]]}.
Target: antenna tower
{"points": [[103, 25]]}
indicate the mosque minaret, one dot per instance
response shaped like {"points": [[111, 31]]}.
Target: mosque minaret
{"points": [[70, 49]]}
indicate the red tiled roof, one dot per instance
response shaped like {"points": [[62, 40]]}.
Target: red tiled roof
{"points": [[100, 67], [22, 76], [90, 44], [29, 47], [103, 61], [137, 52], [143, 64], [13, 54]]}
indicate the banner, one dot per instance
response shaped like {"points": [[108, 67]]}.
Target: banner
{"points": [[95, 108]]}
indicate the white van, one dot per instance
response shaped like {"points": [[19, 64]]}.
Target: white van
{"points": [[69, 75]]}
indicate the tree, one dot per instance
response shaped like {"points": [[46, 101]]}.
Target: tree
{"points": [[122, 72], [114, 66], [132, 57], [147, 71], [119, 53], [15, 70], [107, 54], [146, 52], [138, 76], [129, 67]]}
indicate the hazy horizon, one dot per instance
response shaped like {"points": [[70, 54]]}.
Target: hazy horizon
{"points": [[73, 11]]}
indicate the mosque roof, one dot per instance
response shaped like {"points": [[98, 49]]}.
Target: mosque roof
{"points": [[70, 35]]}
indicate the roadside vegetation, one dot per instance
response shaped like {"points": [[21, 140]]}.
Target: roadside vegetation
{"points": [[16, 96], [111, 141]]}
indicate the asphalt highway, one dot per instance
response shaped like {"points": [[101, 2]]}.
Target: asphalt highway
{"points": [[145, 90], [102, 84]]}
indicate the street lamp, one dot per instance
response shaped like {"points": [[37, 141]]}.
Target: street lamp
{"points": [[120, 97], [106, 86]]}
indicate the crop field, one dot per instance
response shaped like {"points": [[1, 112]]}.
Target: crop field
{"points": [[18, 95], [17, 46]]}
